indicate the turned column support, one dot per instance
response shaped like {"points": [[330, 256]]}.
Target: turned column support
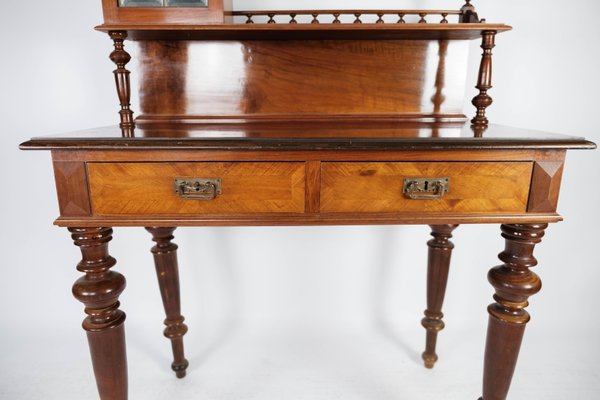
{"points": [[484, 82], [167, 272], [514, 283], [99, 290], [438, 265], [121, 57]]}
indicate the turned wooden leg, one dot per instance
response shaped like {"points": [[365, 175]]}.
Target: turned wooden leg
{"points": [[514, 284], [99, 291], [440, 251], [167, 271]]}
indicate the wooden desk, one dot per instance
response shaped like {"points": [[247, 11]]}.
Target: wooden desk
{"points": [[270, 123], [307, 173]]}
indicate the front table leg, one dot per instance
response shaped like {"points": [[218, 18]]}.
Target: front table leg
{"points": [[99, 291], [167, 271], [514, 284]]}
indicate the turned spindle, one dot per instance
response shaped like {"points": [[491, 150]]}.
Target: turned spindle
{"points": [[438, 265], [167, 272], [514, 283], [120, 57], [99, 290], [484, 83]]}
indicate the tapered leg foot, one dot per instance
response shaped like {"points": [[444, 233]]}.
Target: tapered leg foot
{"points": [[167, 271], [440, 251], [99, 290], [514, 283]]}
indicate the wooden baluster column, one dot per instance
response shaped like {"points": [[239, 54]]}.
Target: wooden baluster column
{"points": [[514, 284], [167, 271], [484, 83], [440, 251], [99, 290], [120, 57]]}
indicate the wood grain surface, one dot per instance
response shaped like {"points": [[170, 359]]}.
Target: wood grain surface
{"points": [[148, 188], [323, 77], [378, 186]]}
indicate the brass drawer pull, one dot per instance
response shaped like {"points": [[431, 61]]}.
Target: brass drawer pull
{"points": [[198, 188], [426, 188]]}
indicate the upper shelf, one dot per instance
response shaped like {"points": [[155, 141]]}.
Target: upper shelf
{"points": [[415, 31], [200, 23]]}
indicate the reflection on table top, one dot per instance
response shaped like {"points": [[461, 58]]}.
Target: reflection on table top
{"points": [[310, 135]]}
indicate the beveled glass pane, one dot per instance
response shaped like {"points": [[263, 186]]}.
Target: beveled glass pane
{"points": [[187, 3], [141, 3]]}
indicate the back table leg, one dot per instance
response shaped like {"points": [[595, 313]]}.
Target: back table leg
{"points": [[440, 250], [167, 271]]}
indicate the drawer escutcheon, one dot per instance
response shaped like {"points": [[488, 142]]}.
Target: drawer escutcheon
{"points": [[198, 188], [426, 188]]}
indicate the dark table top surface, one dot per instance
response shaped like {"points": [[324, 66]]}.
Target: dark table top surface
{"points": [[322, 134]]}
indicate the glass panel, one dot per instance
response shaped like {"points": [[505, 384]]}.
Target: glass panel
{"points": [[187, 3], [141, 3], [163, 3]]}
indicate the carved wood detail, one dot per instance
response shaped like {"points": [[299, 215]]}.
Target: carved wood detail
{"points": [[483, 100], [72, 189], [99, 290], [545, 186], [514, 283], [438, 265], [167, 272], [120, 57]]}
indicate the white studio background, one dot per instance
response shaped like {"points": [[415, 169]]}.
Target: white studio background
{"points": [[296, 313]]}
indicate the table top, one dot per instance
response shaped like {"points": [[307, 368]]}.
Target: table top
{"points": [[314, 134]]}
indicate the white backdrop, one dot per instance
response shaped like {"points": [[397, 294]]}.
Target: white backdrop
{"points": [[295, 313]]}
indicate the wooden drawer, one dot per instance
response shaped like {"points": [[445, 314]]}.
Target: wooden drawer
{"points": [[147, 189], [474, 187]]}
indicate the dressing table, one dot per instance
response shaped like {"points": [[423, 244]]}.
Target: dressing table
{"points": [[302, 117]]}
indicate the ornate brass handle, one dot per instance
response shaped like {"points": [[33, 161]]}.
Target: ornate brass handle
{"points": [[426, 188], [198, 188]]}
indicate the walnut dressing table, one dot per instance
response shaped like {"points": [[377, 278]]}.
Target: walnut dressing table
{"points": [[302, 117]]}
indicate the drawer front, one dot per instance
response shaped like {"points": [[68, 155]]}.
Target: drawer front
{"points": [[148, 188], [474, 187]]}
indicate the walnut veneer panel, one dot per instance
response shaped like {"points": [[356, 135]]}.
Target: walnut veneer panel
{"points": [[475, 187], [314, 77], [147, 189]]}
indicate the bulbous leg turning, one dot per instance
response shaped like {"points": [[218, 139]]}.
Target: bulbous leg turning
{"points": [[514, 283], [99, 290]]}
